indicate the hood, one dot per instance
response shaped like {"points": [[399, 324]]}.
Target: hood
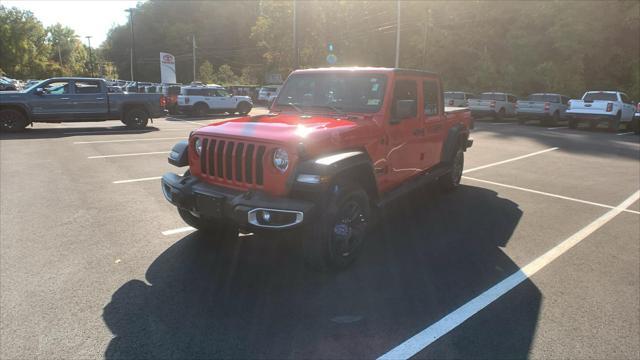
{"points": [[288, 128]]}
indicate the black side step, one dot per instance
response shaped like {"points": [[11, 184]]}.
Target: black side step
{"points": [[419, 181]]}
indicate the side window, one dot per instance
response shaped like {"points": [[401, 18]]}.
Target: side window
{"points": [[87, 87], [625, 98], [57, 88], [405, 90], [430, 92], [511, 98]]}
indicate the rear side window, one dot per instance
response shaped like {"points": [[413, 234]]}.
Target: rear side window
{"points": [[405, 90], [430, 88], [625, 98], [565, 100], [87, 87], [600, 96]]}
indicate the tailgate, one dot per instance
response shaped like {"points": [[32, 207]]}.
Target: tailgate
{"points": [[596, 106], [476, 104], [530, 106]]}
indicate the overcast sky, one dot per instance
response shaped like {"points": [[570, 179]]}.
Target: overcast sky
{"points": [[87, 18]]}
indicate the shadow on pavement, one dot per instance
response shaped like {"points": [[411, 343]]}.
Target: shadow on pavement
{"points": [[52, 133], [255, 299]]}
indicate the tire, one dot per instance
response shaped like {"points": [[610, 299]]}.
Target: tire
{"points": [[200, 109], [553, 121], [243, 108], [12, 121], [593, 124], [573, 124], [635, 126], [173, 110], [335, 239], [451, 180], [614, 124], [136, 118], [500, 115]]}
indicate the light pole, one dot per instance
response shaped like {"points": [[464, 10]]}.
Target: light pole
{"points": [[90, 56], [133, 53], [397, 33]]}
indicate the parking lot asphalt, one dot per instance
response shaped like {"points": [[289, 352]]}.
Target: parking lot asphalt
{"points": [[86, 271]]}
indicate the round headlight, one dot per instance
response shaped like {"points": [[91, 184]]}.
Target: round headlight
{"points": [[198, 146], [281, 159]]}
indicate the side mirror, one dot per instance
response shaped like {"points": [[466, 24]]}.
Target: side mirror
{"points": [[39, 91], [404, 109]]}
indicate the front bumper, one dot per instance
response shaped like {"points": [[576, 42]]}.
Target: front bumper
{"points": [[247, 209]]}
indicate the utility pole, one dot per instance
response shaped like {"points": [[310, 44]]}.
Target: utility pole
{"points": [[194, 57], [133, 53], [59, 53], [296, 57], [397, 33], [90, 55], [426, 33]]}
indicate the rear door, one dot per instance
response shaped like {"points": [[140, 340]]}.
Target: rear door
{"points": [[434, 121], [627, 107], [89, 100]]}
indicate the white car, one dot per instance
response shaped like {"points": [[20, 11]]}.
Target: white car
{"points": [[457, 98], [495, 104], [201, 100], [613, 107], [268, 93]]}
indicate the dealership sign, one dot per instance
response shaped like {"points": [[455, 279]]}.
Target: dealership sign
{"points": [[167, 68]]}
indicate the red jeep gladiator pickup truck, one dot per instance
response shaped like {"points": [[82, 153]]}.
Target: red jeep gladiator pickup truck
{"points": [[337, 143]]}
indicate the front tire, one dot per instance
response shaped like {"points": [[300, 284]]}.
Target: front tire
{"points": [[136, 118], [451, 180], [335, 239], [500, 115], [243, 108], [200, 109], [12, 120]]}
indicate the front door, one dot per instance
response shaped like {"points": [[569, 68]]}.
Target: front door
{"points": [[54, 103], [405, 150], [434, 122]]}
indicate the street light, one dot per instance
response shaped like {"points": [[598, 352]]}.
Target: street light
{"points": [[90, 56], [133, 53]]}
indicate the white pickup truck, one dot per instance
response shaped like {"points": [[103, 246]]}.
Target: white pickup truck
{"points": [[495, 104], [614, 107]]}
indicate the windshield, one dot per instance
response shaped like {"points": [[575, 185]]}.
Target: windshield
{"points": [[340, 91], [33, 86], [543, 97], [600, 96], [491, 96]]}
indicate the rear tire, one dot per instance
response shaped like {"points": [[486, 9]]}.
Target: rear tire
{"points": [[335, 239], [553, 121], [573, 124], [136, 118], [12, 121], [635, 126], [500, 115], [200, 109], [614, 124], [451, 180]]}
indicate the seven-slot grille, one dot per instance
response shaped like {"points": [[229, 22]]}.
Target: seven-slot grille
{"points": [[232, 161]]}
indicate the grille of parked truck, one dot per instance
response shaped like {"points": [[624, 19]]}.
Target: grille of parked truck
{"points": [[337, 144]]}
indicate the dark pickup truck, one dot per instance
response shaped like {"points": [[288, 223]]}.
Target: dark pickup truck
{"points": [[76, 99]]}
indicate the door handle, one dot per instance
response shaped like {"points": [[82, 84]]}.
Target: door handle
{"points": [[100, 98], [64, 98]]}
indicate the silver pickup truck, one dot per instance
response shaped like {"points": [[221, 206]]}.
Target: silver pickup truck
{"points": [[76, 99], [495, 104], [546, 107]]}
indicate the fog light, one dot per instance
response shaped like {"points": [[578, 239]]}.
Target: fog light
{"points": [[266, 216]]}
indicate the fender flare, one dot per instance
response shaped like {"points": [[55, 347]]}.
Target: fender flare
{"points": [[457, 136], [179, 155]]}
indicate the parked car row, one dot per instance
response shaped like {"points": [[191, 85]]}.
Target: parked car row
{"points": [[614, 108]]}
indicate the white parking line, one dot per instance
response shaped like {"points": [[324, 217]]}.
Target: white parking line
{"points": [[509, 160], [625, 133], [124, 155], [502, 123], [559, 127], [549, 194], [435, 331], [178, 230], [125, 140], [136, 180]]}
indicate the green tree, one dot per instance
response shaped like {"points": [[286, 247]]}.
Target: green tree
{"points": [[25, 52], [225, 75], [206, 73]]}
